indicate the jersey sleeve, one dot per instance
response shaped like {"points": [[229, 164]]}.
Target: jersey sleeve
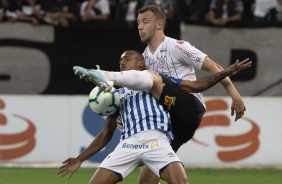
{"points": [[189, 54]]}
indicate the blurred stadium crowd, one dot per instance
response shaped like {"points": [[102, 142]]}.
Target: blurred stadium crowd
{"points": [[213, 12]]}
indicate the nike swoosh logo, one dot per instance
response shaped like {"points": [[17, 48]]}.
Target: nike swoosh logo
{"points": [[110, 111]]}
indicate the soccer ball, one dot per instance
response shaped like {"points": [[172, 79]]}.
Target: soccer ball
{"points": [[104, 103]]}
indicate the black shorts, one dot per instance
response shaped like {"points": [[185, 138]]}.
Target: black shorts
{"points": [[186, 112]]}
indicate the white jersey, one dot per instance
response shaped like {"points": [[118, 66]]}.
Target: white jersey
{"points": [[140, 111], [176, 58]]}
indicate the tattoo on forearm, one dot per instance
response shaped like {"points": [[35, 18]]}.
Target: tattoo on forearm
{"points": [[207, 82]]}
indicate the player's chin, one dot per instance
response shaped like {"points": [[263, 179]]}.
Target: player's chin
{"points": [[143, 39]]}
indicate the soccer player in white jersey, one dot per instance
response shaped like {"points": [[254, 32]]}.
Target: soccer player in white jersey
{"points": [[178, 59], [145, 138]]}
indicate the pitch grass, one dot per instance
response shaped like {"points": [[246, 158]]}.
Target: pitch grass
{"points": [[9, 175]]}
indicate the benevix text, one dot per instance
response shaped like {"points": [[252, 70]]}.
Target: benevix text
{"points": [[135, 146]]}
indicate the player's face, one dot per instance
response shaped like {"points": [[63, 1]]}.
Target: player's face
{"points": [[128, 61], [147, 26]]}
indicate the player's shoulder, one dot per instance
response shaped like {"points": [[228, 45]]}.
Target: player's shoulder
{"points": [[177, 45], [174, 41]]}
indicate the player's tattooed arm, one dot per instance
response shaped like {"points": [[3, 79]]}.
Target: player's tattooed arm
{"points": [[205, 83]]}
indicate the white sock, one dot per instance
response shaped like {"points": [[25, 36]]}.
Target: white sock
{"points": [[132, 79]]}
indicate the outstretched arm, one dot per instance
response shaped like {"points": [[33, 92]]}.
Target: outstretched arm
{"points": [[70, 165], [238, 105], [205, 83], [200, 84]]}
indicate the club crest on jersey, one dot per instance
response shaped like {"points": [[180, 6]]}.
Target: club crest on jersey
{"points": [[162, 62], [169, 101]]}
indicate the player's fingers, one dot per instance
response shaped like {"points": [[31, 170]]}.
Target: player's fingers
{"points": [[239, 115], [232, 111], [119, 123], [64, 173], [246, 65], [70, 176], [67, 160], [61, 170], [63, 166], [243, 64], [244, 61], [119, 126]]}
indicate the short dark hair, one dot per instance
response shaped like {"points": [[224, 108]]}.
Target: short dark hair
{"points": [[138, 56], [156, 10]]}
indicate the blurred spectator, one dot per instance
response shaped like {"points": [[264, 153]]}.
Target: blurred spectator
{"points": [[32, 9], [2, 11], [60, 12], [127, 10], [248, 9], [276, 12], [169, 7], [95, 10], [223, 11], [262, 8], [194, 10], [12, 11], [79, 2], [113, 7]]}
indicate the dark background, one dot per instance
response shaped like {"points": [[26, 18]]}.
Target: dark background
{"points": [[86, 45]]}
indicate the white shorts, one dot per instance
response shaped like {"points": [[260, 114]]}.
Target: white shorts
{"points": [[150, 147]]}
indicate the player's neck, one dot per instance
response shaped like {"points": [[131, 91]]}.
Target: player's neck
{"points": [[155, 42]]}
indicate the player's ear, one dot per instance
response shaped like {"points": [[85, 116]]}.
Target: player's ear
{"points": [[141, 65], [160, 25]]}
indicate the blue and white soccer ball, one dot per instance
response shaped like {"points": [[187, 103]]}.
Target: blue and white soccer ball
{"points": [[104, 103]]}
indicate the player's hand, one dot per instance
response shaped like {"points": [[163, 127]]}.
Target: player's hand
{"points": [[238, 66], [238, 107], [119, 123], [69, 167]]}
